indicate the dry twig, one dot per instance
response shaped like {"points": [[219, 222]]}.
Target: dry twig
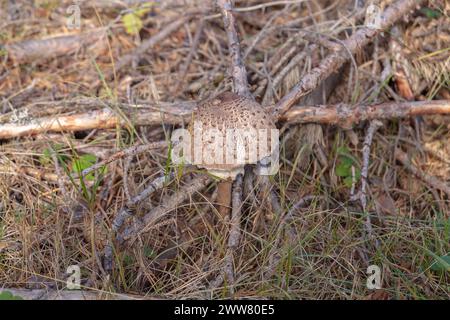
{"points": [[238, 69], [35, 50], [335, 60], [428, 179], [195, 185], [374, 125], [124, 214], [235, 230], [346, 116], [189, 58], [125, 153], [148, 44]]}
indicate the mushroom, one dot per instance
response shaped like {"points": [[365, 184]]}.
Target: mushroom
{"points": [[228, 132]]}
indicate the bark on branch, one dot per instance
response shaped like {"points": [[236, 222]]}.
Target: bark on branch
{"points": [[238, 69], [346, 116], [104, 118], [342, 115], [40, 49]]}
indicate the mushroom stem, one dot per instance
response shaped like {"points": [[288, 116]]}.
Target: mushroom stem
{"points": [[224, 198]]}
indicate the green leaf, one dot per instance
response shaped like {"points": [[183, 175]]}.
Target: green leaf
{"points": [[342, 170], [430, 13], [149, 252], [348, 181], [344, 167], [46, 156], [6, 295], [128, 260], [346, 161], [132, 23], [84, 162], [3, 52], [441, 263], [342, 151]]}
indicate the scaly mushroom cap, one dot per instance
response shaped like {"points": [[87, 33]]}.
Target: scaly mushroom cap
{"points": [[231, 111]]}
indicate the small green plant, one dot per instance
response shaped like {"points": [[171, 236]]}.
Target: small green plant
{"points": [[83, 162], [441, 264], [430, 13], [6, 295], [3, 52], [80, 163], [132, 21], [46, 4], [344, 165], [149, 252], [46, 157]]}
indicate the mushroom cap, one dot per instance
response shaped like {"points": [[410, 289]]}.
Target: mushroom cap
{"points": [[231, 111]]}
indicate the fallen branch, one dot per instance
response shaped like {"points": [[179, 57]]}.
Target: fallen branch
{"points": [[100, 119], [238, 69], [335, 60], [39, 49], [345, 115], [235, 231], [22, 171], [342, 115], [129, 4], [366, 155], [111, 4], [285, 71]]}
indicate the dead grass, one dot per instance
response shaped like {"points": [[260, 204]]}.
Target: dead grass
{"points": [[322, 253]]}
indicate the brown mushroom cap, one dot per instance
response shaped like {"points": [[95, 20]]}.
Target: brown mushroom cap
{"points": [[230, 111]]}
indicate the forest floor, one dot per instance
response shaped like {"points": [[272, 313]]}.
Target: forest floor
{"points": [[317, 244]]}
